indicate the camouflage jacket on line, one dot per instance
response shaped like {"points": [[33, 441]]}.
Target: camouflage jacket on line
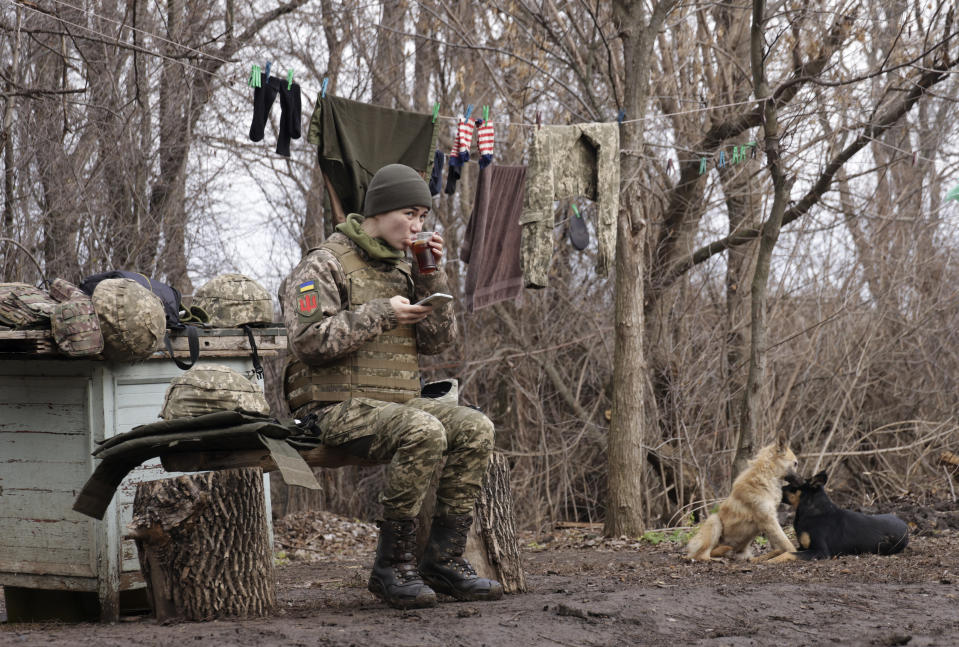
{"points": [[334, 330]]}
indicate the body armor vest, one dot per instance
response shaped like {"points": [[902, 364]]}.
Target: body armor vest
{"points": [[385, 368]]}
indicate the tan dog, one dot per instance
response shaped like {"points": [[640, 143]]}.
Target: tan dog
{"points": [[750, 509]]}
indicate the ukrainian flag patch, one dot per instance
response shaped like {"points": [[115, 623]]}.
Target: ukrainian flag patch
{"points": [[306, 287]]}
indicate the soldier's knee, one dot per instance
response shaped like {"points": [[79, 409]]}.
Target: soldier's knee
{"points": [[485, 433], [479, 430], [427, 433]]}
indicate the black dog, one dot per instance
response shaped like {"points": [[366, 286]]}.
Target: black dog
{"points": [[825, 530]]}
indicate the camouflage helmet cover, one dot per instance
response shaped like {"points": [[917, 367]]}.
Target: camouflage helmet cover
{"points": [[209, 388], [131, 319], [233, 300]]}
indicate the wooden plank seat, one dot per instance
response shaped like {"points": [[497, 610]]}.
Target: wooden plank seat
{"points": [[319, 456]]}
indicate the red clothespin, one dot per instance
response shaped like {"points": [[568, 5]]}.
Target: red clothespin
{"points": [[538, 122], [669, 166], [915, 158]]}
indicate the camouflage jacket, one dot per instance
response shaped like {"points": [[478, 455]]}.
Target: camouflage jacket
{"points": [[333, 330]]}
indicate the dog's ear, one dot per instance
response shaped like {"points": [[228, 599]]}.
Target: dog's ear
{"points": [[781, 442], [819, 479], [793, 480]]}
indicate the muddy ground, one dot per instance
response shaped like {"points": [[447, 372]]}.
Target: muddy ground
{"points": [[586, 590]]}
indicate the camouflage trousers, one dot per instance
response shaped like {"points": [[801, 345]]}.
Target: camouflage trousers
{"points": [[413, 438]]}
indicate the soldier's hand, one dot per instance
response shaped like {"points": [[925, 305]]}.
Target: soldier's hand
{"points": [[436, 246], [406, 313]]}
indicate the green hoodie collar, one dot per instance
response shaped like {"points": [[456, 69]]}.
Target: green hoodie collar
{"points": [[377, 248]]}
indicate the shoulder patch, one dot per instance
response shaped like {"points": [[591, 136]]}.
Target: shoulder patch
{"points": [[307, 299]]}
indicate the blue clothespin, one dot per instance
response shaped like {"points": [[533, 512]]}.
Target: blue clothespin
{"points": [[323, 87], [752, 150], [702, 165], [469, 109], [267, 74], [722, 159], [620, 117], [289, 78]]}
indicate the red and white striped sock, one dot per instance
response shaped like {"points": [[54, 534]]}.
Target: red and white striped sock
{"points": [[464, 137], [484, 139]]}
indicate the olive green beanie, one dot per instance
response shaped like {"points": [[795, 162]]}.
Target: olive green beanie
{"points": [[396, 186]]}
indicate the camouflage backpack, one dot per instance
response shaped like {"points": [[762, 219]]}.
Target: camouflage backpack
{"points": [[62, 291], [24, 306], [76, 329], [131, 319], [209, 388], [234, 300]]}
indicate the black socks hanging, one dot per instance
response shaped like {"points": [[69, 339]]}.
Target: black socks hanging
{"points": [[263, 98]]}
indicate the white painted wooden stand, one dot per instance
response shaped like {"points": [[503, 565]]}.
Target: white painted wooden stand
{"points": [[52, 412]]}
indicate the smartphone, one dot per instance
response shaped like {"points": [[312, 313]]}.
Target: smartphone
{"points": [[435, 299]]}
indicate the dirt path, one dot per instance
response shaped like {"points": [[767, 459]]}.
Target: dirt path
{"points": [[586, 591]]}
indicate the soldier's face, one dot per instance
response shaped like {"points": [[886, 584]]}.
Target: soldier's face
{"points": [[398, 227]]}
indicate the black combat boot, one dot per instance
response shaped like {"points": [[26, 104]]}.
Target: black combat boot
{"points": [[445, 569], [394, 578]]}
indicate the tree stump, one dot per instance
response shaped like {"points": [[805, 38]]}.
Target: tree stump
{"points": [[204, 545], [492, 546]]}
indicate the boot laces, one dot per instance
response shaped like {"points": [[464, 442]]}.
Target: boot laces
{"points": [[460, 565]]}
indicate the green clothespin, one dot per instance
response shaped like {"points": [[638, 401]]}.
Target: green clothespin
{"points": [[702, 165], [736, 158], [575, 210], [953, 193], [254, 81], [753, 148], [485, 113], [436, 111], [289, 78]]}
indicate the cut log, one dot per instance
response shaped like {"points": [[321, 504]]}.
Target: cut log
{"points": [[492, 546], [204, 545]]}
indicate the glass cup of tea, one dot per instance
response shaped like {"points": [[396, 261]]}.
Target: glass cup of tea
{"points": [[422, 252]]}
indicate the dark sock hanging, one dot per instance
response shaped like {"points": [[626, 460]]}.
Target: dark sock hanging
{"points": [[436, 177], [263, 98]]}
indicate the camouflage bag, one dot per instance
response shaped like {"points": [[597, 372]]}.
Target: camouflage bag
{"points": [[76, 329], [62, 291], [24, 306], [209, 388], [234, 300], [131, 319]]}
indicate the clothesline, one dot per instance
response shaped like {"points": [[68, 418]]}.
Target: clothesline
{"points": [[448, 118]]}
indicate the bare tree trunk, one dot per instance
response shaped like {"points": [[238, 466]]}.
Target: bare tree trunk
{"points": [[6, 136], [389, 85], [204, 546], [753, 397], [740, 195], [625, 511]]}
